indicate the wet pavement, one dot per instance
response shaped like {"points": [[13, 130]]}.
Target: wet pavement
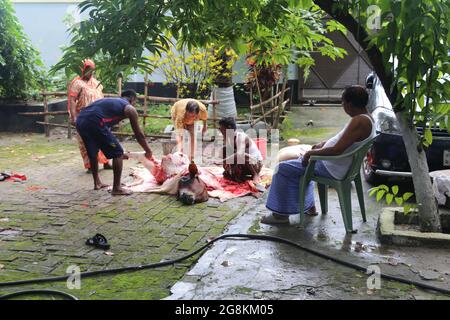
{"points": [[45, 221], [252, 269], [249, 269]]}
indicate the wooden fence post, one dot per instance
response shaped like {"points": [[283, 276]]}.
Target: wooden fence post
{"points": [[260, 95], [119, 86], [251, 104], [47, 114], [47, 128], [69, 128], [214, 112], [145, 98], [119, 89]]}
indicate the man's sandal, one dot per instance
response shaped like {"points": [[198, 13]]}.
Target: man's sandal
{"points": [[272, 219], [98, 241], [312, 212]]}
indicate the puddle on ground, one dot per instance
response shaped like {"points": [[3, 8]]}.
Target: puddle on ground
{"points": [[259, 255], [9, 233]]}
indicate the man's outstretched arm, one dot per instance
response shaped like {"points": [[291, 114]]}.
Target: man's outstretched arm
{"points": [[132, 114]]}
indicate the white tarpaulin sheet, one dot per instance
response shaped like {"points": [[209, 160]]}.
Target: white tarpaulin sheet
{"points": [[227, 106], [441, 185]]}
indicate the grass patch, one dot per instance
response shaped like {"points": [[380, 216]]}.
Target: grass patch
{"points": [[306, 135], [153, 126], [16, 153]]}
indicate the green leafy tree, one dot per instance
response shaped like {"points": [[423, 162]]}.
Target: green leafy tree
{"points": [[273, 33], [301, 32], [116, 35], [122, 30], [409, 52], [20, 65]]}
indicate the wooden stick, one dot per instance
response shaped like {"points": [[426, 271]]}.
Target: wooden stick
{"points": [[269, 112], [164, 99], [57, 125], [56, 94], [116, 133], [50, 113], [274, 103], [214, 113], [281, 98], [155, 116], [259, 91], [159, 136], [251, 103], [65, 113], [145, 98], [119, 86], [264, 116], [269, 100], [69, 129], [46, 119], [149, 98], [173, 100]]}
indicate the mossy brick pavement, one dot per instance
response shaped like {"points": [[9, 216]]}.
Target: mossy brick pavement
{"points": [[45, 221]]}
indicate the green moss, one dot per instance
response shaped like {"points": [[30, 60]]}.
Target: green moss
{"points": [[243, 290], [399, 286], [143, 230], [255, 227], [36, 149], [309, 135]]}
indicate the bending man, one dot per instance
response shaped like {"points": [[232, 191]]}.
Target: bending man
{"points": [[94, 126], [184, 114]]}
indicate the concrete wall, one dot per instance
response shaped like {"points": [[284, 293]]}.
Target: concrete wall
{"points": [[11, 121]]}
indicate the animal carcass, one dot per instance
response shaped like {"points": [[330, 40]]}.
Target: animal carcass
{"points": [[189, 185], [174, 177], [192, 189]]}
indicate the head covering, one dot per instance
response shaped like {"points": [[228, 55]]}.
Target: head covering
{"points": [[87, 63]]}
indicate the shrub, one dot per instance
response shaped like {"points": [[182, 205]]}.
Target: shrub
{"points": [[20, 65]]}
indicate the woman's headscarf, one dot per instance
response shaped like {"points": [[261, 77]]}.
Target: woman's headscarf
{"points": [[87, 63]]}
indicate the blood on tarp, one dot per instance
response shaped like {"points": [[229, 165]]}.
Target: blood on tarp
{"points": [[158, 172], [163, 176]]}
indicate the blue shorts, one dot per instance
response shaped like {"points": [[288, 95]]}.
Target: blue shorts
{"points": [[97, 137]]}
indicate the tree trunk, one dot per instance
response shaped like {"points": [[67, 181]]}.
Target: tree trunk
{"points": [[426, 203], [221, 80]]}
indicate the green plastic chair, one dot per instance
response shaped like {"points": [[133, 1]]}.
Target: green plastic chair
{"points": [[343, 187]]}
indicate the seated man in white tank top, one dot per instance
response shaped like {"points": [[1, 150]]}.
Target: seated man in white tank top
{"points": [[242, 159], [357, 131], [284, 192]]}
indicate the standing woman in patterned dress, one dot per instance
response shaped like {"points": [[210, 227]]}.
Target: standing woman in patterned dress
{"points": [[83, 91]]}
